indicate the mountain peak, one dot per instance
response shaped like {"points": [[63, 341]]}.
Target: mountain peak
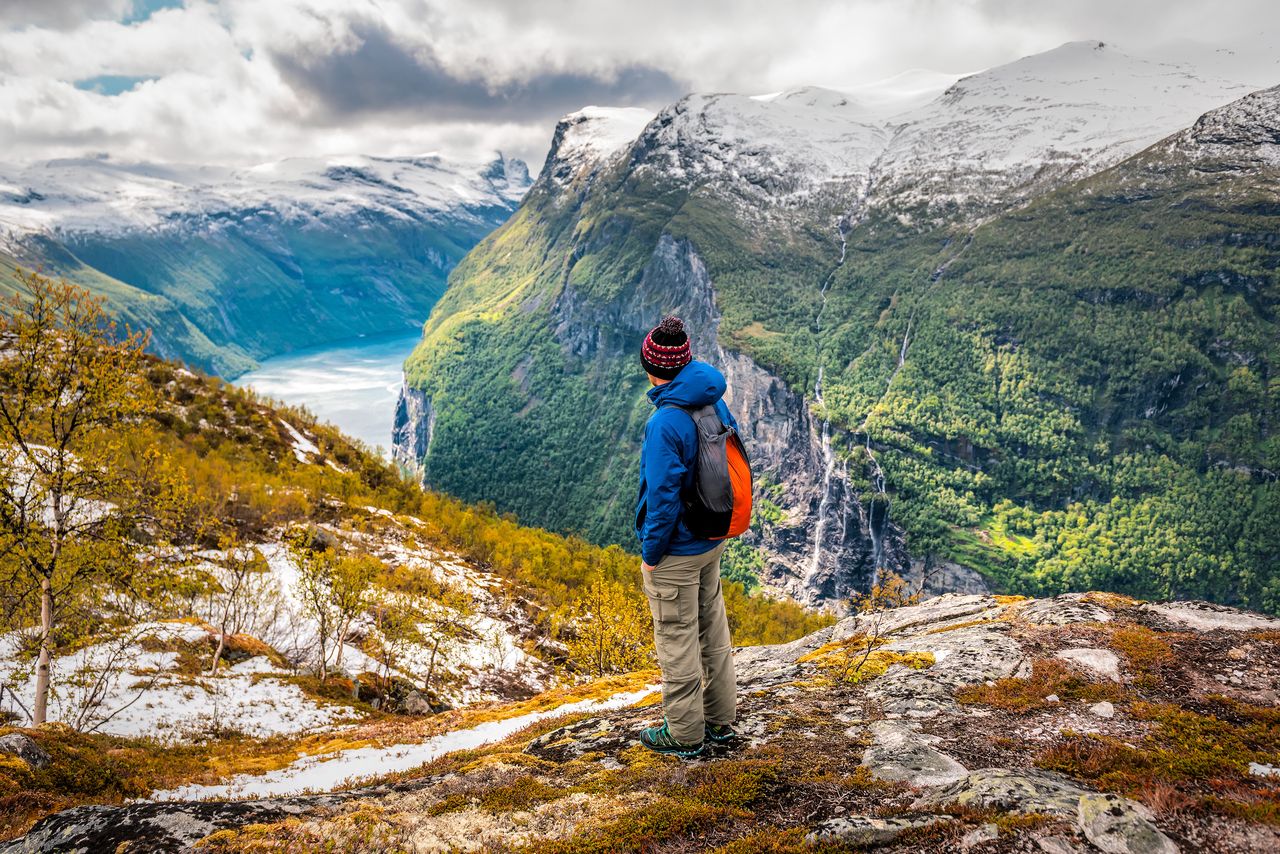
{"points": [[587, 137]]}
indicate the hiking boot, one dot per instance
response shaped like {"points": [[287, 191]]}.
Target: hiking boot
{"points": [[720, 733], [659, 740]]}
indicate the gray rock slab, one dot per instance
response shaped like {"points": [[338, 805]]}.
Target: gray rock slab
{"points": [[928, 613], [869, 830], [1205, 616], [1092, 660], [899, 753], [1114, 824], [1063, 610]]}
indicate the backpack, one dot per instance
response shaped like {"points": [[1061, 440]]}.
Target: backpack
{"points": [[719, 504]]}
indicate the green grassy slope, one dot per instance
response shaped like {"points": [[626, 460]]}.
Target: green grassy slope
{"points": [[174, 335]]}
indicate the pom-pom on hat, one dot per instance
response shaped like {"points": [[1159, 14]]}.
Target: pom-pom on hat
{"points": [[666, 349]]}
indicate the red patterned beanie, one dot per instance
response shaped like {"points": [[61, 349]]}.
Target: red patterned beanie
{"points": [[666, 349]]}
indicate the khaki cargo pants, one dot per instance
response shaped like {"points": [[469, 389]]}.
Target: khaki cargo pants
{"points": [[691, 633]]}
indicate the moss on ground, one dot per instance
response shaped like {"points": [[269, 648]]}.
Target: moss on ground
{"points": [[1049, 676], [1204, 755]]}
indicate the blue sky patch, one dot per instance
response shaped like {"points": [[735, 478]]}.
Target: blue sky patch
{"points": [[143, 9], [111, 84]]}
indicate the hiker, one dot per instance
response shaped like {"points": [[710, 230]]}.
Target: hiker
{"points": [[695, 493]]}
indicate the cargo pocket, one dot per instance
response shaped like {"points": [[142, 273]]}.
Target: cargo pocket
{"points": [[664, 602]]}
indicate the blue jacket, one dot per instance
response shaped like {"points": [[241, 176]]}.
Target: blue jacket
{"points": [[667, 462]]}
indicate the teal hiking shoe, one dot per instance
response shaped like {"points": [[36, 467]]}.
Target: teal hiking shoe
{"points": [[659, 740], [720, 733]]}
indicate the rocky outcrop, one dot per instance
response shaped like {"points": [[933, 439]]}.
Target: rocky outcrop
{"points": [[412, 428], [25, 748], [954, 732]]}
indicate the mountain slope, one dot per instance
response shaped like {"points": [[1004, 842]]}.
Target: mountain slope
{"points": [[866, 285], [1079, 723], [236, 265]]}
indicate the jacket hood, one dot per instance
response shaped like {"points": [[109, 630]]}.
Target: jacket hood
{"points": [[697, 384]]}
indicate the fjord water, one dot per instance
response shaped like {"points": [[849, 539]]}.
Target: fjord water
{"points": [[352, 384]]}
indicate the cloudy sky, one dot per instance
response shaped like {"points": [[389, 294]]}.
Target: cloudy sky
{"points": [[243, 81]]}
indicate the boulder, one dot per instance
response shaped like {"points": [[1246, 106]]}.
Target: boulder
{"points": [[1100, 662], [1114, 824], [899, 753], [25, 748], [415, 704]]}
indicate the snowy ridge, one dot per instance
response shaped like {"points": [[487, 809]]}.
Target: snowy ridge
{"points": [[788, 142], [100, 195], [993, 137], [588, 137], [1044, 119], [1246, 131]]}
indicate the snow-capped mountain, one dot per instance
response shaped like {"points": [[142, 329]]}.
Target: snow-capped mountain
{"points": [[229, 266], [861, 267], [583, 139], [105, 197], [937, 141]]}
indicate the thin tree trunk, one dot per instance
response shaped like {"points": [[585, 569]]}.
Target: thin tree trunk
{"points": [[343, 628], [222, 636], [43, 665], [217, 653], [431, 668]]}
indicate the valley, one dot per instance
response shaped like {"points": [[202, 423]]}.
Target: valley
{"points": [[321, 415]]}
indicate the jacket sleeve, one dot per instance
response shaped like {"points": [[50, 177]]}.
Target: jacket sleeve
{"points": [[664, 471]]}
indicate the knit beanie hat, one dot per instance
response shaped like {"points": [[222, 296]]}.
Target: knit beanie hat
{"points": [[666, 349]]}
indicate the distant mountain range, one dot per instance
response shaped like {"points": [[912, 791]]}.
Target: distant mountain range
{"points": [[1021, 334], [229, 266]]}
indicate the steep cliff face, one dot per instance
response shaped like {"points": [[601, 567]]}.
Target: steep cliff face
{"points": [[944, 368], [829, 538]]}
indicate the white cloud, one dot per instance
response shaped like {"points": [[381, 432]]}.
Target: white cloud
{"points": [[246, 80]]}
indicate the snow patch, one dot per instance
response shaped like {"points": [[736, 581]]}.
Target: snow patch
{"points": [[326, 772]]}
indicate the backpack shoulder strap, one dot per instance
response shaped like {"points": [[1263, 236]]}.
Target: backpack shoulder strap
{"points": [[702, 415]]}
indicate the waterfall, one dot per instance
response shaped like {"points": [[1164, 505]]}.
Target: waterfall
{"points": [[828, 455], [824, 506], [876, 528]]}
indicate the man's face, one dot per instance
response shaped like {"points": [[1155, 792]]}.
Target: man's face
{"points": [[654, 380]]}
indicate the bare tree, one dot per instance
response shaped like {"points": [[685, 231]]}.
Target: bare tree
{"points": [[350, 593], [315, 589], [240, 564]]}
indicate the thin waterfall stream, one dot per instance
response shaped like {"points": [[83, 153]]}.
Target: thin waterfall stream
{"points": [[828, 454]]}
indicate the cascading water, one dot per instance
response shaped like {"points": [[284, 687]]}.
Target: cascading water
{"points": [[828, 454]]}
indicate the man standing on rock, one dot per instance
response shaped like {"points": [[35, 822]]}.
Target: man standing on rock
{"points": [[682, 538]]}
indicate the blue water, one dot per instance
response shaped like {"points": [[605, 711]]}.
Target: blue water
{"points": [[351, 384]]}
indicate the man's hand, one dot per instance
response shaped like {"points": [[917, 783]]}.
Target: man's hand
{"points": [[645, 566]]}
